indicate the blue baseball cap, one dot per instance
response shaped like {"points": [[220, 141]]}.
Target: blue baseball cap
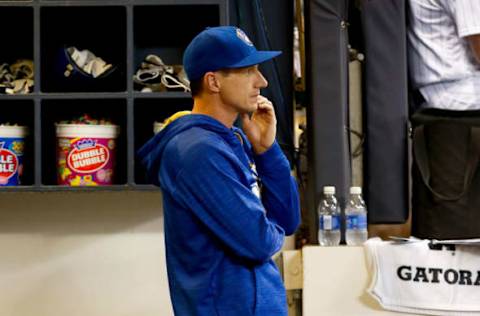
{"points": [[221, 47]]}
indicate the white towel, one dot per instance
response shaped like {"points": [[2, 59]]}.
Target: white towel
{"points": [[411, 277]]}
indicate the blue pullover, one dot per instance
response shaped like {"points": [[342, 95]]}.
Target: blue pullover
{"points": [[221, 226]]}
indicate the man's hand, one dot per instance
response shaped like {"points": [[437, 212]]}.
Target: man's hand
{"points": [[261, 127]]}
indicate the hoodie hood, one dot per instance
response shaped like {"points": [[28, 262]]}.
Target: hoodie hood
{"points": [[151, 153]]}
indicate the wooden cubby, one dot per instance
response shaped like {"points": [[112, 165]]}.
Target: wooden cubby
{"points": [[122, 33]]}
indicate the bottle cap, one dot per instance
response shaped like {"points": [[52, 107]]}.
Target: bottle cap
{"points": [[355, 190], [329, 190]]}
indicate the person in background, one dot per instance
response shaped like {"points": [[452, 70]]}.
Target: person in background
{"points": [[228, 195], [444, 52]]}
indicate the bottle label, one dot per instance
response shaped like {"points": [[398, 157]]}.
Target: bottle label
{"points": [[357, 221], [329, 222]]}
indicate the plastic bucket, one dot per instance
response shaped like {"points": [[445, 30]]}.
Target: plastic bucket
{"points": [[157, 127], [86, 154], [12, 146]]}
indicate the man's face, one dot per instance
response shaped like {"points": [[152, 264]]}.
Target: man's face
{"points": [[240, 88]]}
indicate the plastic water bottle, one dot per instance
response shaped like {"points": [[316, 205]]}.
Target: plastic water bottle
{"points": [[329, 218], [356, 218]]}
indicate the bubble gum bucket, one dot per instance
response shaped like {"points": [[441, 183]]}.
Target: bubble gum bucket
{"points": [[86, 154], [12, 145]]}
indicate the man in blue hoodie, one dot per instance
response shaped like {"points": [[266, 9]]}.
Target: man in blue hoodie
{"points": [[228, 196]]}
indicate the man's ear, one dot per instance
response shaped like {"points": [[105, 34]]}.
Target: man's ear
{"points": [[211, 82]]}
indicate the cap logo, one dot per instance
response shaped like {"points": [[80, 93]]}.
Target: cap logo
{"points": [[241, 35]]}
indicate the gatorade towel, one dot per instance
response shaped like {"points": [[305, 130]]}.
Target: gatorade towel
{"points": [[12, 144], [414, 277], [86, 154]]}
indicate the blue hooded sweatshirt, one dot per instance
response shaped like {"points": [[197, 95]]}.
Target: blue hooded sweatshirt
{"points": [[226, 213]]}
